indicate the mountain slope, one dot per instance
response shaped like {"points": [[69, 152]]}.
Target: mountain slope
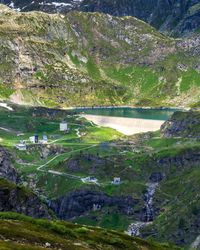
{"points": [[42, 234], [176, 17], [94, 59]]}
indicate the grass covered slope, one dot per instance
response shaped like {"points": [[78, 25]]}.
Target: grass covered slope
{"points": [[20, 232], [90, 59]]}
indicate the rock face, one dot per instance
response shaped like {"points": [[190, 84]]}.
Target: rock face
{"points": [[18, 199], [76, 164], [7, 171], [51, 113], [156, 177], [80, 202], [187, 159], [179, 17], [182, 124], [15, 198]]}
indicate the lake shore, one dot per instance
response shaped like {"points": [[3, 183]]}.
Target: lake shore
{"points": [[126, 126], [125, 106]]}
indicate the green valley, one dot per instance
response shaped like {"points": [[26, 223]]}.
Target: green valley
{"points": [[58, 171], [84, 163]]}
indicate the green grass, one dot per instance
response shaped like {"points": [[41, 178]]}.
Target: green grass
{"points": [[98, 135], [93, 70], [114, 221], [158, 143], [31, 233], [5, 91], [192, 77]]}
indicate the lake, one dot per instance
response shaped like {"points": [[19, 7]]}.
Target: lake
{"points": [[140, 113], [127, 121]]}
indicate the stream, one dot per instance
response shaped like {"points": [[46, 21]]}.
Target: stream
{"points": [[134, 228]]}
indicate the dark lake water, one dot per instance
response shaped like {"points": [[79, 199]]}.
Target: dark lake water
{"points": [[154, 114]]}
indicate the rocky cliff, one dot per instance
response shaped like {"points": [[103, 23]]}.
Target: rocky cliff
{"points": [[83, 201], [182, 124], [94, 59], [177, 221], [7, 170], [18, 199]]}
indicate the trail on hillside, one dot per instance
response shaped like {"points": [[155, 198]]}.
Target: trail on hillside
{"points": [[40, 168]]}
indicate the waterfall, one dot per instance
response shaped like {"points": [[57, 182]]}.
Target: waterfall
{"points": [[151, 188], [134, 228]]}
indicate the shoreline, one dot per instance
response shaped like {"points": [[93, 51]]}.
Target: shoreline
{"points": [[180, 108], [126, 106], [126, 126]]}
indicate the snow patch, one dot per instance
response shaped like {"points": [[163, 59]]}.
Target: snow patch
{"points": [[61, 4], [5, 105]]}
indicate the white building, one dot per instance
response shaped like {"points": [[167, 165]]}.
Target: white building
{"points": [[44, 139], [21, 146], [116, 181], [63, 126], [34, 139]]}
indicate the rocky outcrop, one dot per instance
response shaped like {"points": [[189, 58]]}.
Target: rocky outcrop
{"points": [[46, 150], [182, 124], [18, 199], [51, 113], [80, 202], [185, 159], [15, 198], [7, 170], [156, 177], [79, 163]]}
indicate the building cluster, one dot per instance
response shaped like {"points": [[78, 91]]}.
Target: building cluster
{"points": [[22, 145]]}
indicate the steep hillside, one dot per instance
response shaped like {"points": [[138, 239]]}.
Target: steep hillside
{"points": [[17, 198], [182, 124], [94, 59], [7, 169], [175, 17], [21, 200], [43, 234]]}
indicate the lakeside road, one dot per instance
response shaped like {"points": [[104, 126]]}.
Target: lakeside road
{"points": [[127, 126]]}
